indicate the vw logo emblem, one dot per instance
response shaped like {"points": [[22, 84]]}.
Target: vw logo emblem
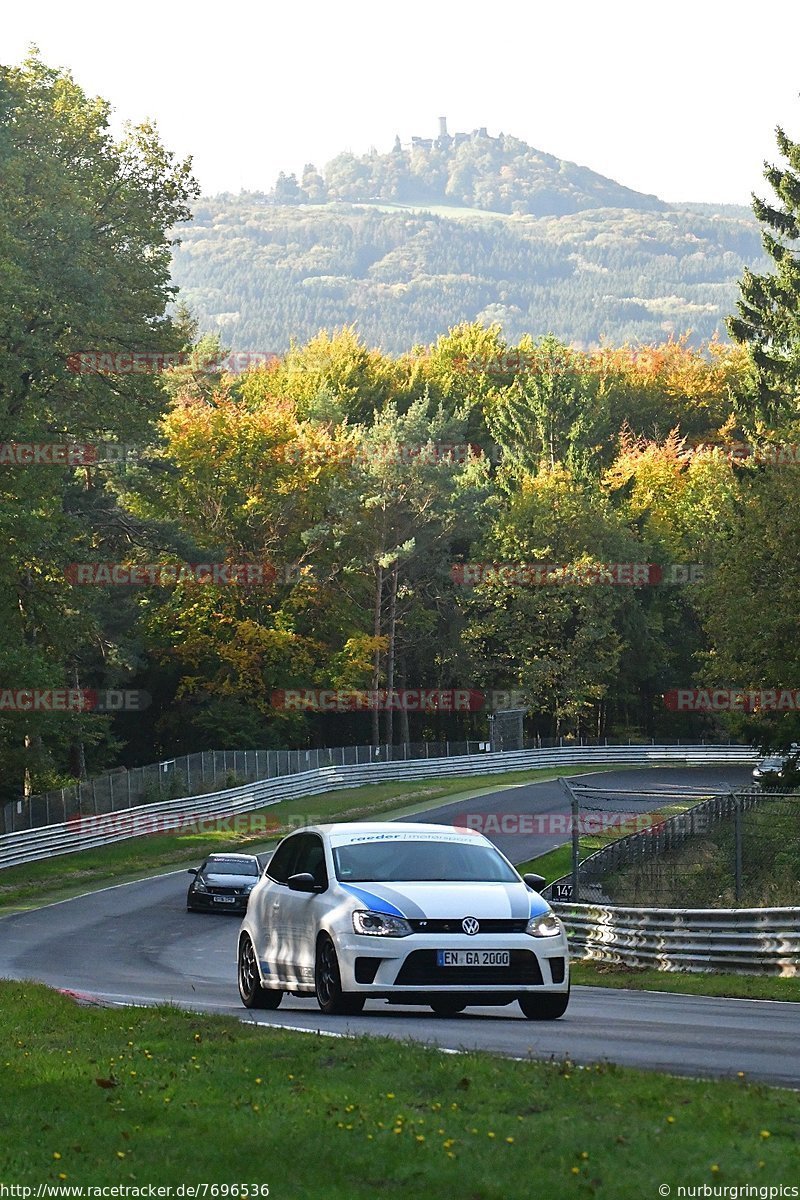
{"points": [[470, 925]]}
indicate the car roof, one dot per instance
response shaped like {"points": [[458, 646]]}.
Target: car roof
{"points": [[345, 830], [238, 857]]}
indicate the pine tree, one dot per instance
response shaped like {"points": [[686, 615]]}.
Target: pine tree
{"points": [[769, 308]]}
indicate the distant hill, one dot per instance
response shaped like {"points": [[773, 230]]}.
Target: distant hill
{"points": [[407, 244], [498, 174]]}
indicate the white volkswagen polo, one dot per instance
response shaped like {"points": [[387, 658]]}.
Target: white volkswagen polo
{"points": [[409, 913]]}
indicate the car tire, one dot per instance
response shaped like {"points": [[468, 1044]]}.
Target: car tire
{"points": [[252, 993], [447, 1008], [328, 983], [548, 1007]]}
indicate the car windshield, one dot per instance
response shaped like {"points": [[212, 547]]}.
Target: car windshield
{"points": [[229, 866], [421, 861]]}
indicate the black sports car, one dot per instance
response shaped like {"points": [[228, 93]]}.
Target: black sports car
{"points": [[223, 883]]}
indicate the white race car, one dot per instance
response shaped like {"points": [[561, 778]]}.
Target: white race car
{"points": [[409, 913]]}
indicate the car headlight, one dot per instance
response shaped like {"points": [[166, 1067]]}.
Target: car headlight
{"points": [[380, 924], [199, 886], [547, 925]]}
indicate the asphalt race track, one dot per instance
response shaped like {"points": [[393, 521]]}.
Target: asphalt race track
{"points": [[136, 943]]}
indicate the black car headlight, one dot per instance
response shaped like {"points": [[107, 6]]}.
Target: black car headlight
{"points": [[380, 924], [546, 925], [199, 886]]}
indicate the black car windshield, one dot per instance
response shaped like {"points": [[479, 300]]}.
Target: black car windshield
{"points": [[421, 861], [229, 866]]}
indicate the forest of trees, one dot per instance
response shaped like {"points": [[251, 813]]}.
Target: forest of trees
{"points": [[346, 470], [264, 276]]}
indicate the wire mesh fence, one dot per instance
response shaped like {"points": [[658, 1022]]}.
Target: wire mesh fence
{"points": [[202, 773], [683, 850], [211, 770]]}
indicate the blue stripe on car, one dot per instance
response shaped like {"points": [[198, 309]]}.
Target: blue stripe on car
{"points": [[376, 903], [539, 905]]}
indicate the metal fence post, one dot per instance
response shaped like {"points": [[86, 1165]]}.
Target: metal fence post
{"points": [[575, 813], [737, 837]]}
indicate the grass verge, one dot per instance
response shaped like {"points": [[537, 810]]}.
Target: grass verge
{"points": [[68, 875], [163, 1097], [647, 979]]}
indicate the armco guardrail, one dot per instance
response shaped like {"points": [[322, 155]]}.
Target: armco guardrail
{"points": [[86, 832], [746, 941]]}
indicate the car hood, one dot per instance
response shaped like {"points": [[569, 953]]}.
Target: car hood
{"points": [[446, 900], [230, 880]]}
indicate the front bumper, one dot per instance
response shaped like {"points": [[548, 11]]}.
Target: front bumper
{"points": [[397, 966], [208, 902]]}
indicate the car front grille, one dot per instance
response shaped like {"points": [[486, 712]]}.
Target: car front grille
{"points": [[453, 925], [420, 969], [227, 891]]}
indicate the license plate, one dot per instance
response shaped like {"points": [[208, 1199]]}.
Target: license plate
{"points": [[473, 958], [224, 899]]}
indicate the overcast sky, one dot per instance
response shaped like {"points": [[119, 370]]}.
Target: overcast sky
{"points": [[650, 94]]}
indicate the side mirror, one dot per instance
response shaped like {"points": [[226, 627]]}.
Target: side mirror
{"points": [[193, 871], [304, 882], [534, 881]]}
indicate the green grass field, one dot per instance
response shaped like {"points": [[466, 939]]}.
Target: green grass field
{"points": [[157, 1096], [747, 987], [455, 211]]}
